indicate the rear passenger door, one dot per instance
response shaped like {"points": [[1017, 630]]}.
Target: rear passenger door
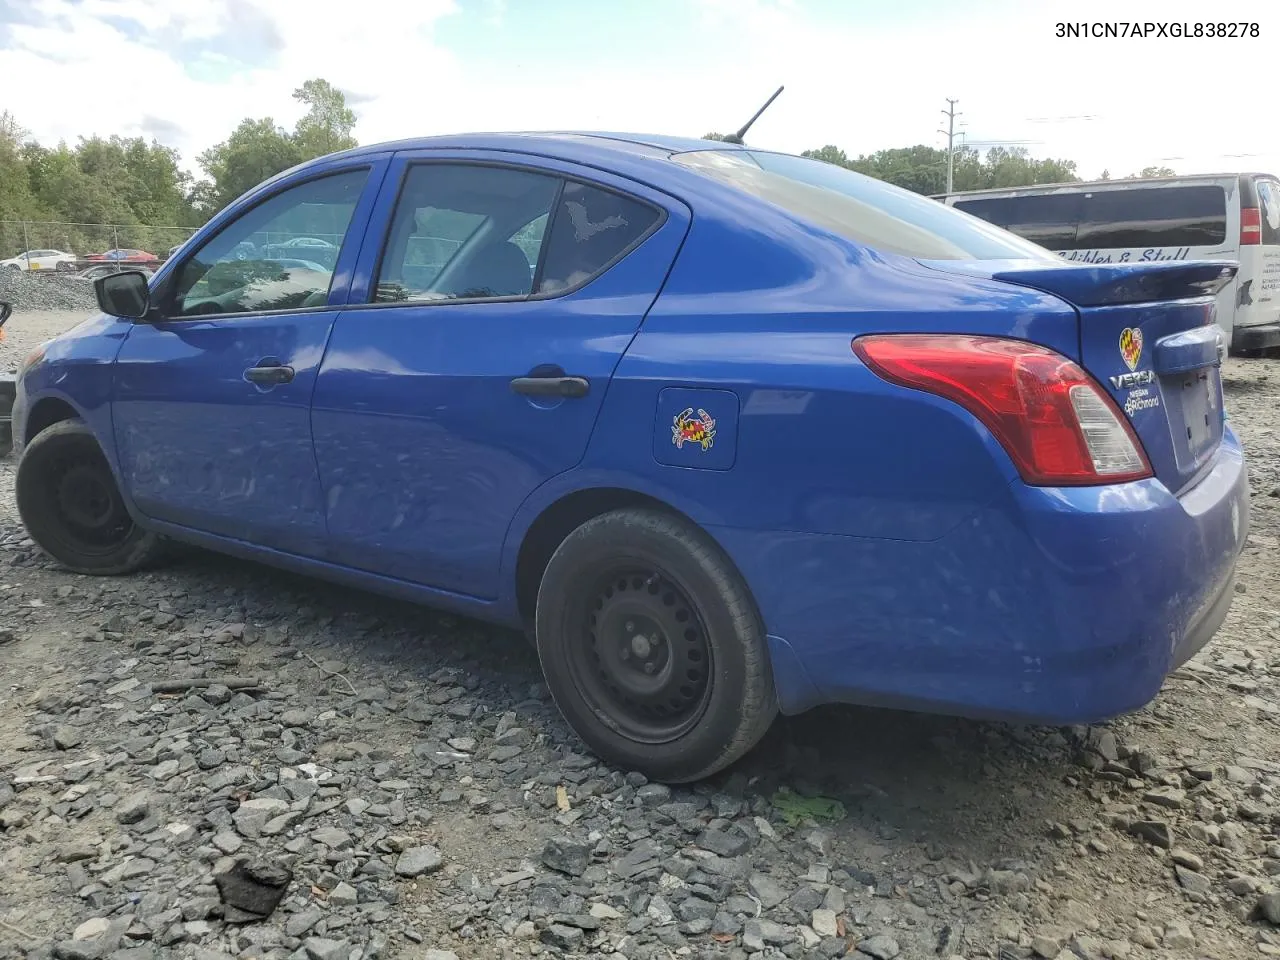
{"points": [[499, 293]]}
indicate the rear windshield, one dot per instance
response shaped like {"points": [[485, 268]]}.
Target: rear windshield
{"points": [[1193, 215], [861, 208]]}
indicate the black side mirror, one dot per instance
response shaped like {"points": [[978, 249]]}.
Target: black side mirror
{"points": [[5, 310], [123, 294]]}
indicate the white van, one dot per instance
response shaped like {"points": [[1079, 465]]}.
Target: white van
{"points": [[1233, 217]]}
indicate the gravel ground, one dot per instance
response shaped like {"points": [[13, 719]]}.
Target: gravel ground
{"points": [[40, 292], [400, 783]]}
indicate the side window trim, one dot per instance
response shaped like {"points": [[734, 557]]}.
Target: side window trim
{"points": [[164, 292], [544, 246], [563, 177]]}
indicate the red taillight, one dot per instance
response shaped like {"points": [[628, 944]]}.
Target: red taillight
{"points": [[1250, 227], [1056, 423]]}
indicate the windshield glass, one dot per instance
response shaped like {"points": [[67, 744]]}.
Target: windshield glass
{"points": [[863, 209]]}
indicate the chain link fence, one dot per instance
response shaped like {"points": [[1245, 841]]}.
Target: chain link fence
{"points": [[37, 242]]}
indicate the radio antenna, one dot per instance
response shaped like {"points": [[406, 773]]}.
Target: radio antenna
{"points": [[742, 132]]}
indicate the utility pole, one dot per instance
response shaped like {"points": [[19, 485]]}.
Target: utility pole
{"points": [[950, 134]]}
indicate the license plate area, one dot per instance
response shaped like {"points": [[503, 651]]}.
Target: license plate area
{"points": [[1194, 399]]}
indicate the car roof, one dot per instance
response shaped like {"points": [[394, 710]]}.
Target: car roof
{"points": [[568, 144]]}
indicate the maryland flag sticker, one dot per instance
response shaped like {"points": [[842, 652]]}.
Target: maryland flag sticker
{"points": [[687, 428], [1131, 346]]}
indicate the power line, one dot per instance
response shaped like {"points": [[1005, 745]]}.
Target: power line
{"points": [[1059, 119]]}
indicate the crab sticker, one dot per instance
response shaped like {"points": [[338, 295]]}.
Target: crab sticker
{"points": [[1131, 346], [687, 428]]}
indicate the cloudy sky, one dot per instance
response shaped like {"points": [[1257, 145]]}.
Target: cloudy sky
{"points": [[862, 74]]}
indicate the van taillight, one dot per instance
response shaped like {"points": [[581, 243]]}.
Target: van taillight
{"points": [[1250, 227]]}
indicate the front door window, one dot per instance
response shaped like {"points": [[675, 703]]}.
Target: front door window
{"points": [[280, 255]]}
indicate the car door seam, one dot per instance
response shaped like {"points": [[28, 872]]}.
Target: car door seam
{"points": [[586, 449], [385, 163]]}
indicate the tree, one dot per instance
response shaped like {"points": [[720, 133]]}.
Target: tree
{"points": [[828, 154], [923, 169], [713, 136], [255, 151], [328, 123], [1152, 172], [1105, 175], [259, 149]]}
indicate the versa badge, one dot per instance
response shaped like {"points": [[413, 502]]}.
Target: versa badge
{"points": [[687, 428]]}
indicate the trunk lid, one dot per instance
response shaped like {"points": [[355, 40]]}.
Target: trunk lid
{"points": [[1147, 333]]}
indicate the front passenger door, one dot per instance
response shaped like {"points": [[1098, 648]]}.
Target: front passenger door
{"points": [[212, 400]]}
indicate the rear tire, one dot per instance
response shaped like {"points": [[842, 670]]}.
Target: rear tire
{"points": [[70, 504], [652, 646]]}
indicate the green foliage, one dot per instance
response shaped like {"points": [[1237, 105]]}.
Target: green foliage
{"points": [[829, 154], [258, 149], [795, 809], [255, 151], [327, 126], [923, 169], [1153, 172], [117, 180], [140, 188]]}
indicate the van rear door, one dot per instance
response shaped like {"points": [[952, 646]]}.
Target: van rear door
{"points": [[1257, 296]]}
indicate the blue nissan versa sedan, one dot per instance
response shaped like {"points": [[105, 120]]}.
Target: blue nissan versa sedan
{"points": [[728, 431]]}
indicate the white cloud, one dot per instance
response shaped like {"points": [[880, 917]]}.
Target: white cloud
{"points": [[113, 66], [105, 66]]}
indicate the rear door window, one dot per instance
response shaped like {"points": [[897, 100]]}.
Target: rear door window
{"points": [[465, 232], [1183, 216]]}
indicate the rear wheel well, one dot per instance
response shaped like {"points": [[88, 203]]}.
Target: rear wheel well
{"points": [[46, 413], [557, 522]]}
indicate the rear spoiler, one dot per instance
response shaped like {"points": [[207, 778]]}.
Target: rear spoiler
{"points": [[1116, 283]]}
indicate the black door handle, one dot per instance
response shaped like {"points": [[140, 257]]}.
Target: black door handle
{"points": [[269, 375], [551, 386]]}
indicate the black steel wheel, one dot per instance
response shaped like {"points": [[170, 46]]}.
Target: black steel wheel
{"points": [[647, 662], [652, 646], [70, 504]]}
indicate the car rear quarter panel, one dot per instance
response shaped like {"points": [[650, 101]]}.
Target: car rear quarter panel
{"points": [[762, 308]]}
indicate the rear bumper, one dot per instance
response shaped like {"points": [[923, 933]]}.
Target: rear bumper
{"points": [[1256, 338], [1050, 606]]}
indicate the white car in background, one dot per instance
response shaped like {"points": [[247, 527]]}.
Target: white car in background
{"points": [[40, 260]]}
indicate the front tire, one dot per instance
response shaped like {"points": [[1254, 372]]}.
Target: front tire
{"points": [[72, 508], [652, 646]]}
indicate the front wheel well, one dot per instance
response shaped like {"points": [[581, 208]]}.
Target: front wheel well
{"points": [[45, 414], [558, 521]]}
